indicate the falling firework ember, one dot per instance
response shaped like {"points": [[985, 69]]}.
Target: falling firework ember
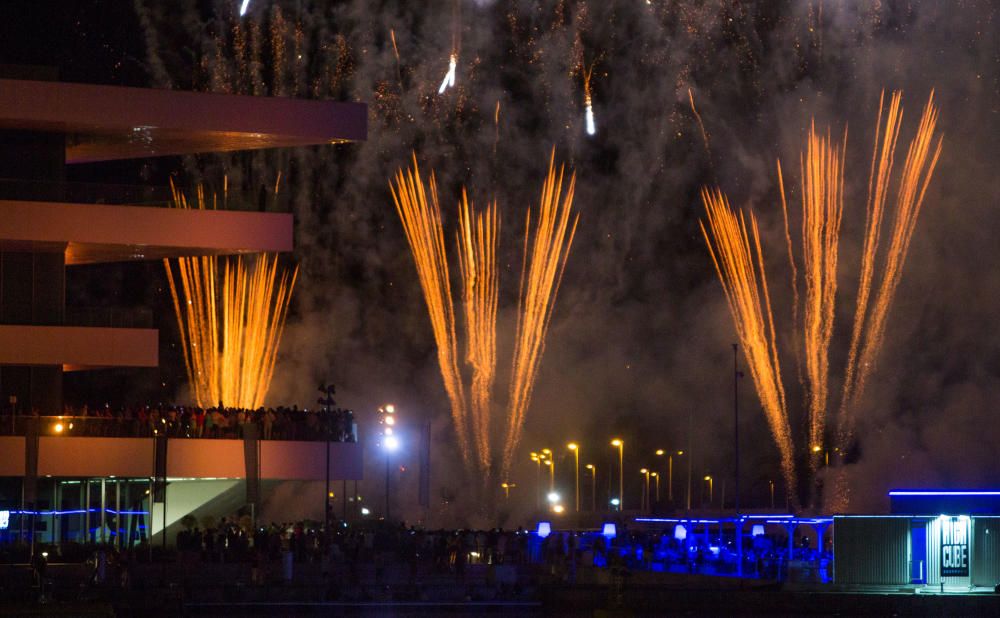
{"points": [[449, 77], [229, 333], [546, 249], [588, 103]]}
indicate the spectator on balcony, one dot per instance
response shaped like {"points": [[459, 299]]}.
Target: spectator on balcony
{"points": [[267, 420]]}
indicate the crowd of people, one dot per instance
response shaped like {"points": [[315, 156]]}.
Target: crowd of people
{"points": [[272, 423], [363, 557]]}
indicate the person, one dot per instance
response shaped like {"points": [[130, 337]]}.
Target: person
{"points": [[268, 420]]}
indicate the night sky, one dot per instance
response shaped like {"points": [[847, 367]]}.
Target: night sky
{"points": [[641, 338]]}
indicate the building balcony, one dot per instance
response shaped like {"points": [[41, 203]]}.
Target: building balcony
{"points": [[78, 347], [97, 233], [104, 123]]}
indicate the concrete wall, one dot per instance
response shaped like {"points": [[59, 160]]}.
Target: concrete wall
{"points": [[78, 346]]}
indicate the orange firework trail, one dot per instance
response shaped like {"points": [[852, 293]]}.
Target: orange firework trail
{"points": [[545, 256], [701, 125], [477, 250], [822, 170], [229, 334], [421, 220], [546, 249], [918, 168], [740, 268]]}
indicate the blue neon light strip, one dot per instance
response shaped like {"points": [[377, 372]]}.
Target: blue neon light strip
{"points": [[777, 519], [78, 512], [909, 492]]}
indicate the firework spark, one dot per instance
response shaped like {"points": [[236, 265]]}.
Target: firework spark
{"points": [[546, 249], [229, 334], [424, 231], [740, 268], [701, 125]]}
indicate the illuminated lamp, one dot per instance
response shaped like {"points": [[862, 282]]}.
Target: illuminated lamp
{"points": [[609, 531], [544, 529], [758, 530], [680, 532]]}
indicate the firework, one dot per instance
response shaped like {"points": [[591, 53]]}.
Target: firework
{"points": [[918, 169], [477, 250], [588, 105], [424, 231], [230, 330], [701, 125], [822, 169], [546, 249], [449, 77], [740, 268]]}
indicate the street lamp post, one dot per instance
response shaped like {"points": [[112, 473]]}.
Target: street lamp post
{"points": [[552, 474], [387, 418], [573, 446], [538, 479], [645, 494], [711, 489], [506, 489], [593, 487], [618, 442], [656, 476], [670, 472]]}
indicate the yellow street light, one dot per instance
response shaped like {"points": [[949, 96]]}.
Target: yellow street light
{"points": [[552, 474], [659, 452], [711, 489], [817, 448]]}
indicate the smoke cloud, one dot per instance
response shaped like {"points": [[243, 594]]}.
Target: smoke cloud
{"points": [[640, 344]]}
